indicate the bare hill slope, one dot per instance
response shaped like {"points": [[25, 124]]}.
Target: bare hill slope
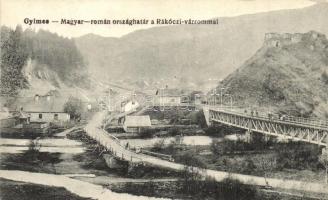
{"points": [[288, 73]]}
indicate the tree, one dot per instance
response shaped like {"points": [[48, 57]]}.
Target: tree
{"points": [[323, 158], [324, 77], [216, 146], [74, 107], [14, 56]]}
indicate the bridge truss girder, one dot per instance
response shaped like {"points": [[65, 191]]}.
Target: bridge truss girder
{"points": [[314, 135]]}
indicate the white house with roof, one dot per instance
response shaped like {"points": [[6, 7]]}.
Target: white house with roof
{"points": [[137, 123], [44, 108], [129, 106], [167, 97]]}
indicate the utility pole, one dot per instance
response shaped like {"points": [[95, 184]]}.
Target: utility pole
{"points": [[221, 97], [161, 99], [109, 100], [229, 95], [222, 88], [214, 96]]}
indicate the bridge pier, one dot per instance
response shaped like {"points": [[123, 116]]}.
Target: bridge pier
{"points": [[251, 136], [248, 136], [207, 116]]}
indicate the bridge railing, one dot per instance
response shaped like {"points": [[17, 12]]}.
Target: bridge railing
{"points": [[122, 152]]}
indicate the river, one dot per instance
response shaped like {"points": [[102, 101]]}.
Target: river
{"points": [[186, 140], [64, 145], [52, 145]]}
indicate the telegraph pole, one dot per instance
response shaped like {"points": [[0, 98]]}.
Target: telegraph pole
{"points": [[109, 100], [222, 88]]}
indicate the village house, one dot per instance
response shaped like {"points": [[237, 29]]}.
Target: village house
{"points": [[136, 124], [167, 96], [129, 106], [44, 108]]}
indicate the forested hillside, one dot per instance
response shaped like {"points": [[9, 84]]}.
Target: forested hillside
{"points": [[47, 52]]}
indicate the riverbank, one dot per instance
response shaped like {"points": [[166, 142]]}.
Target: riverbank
{"points": [[282, 161], [224, 191], [13, 190], [81, 188]]}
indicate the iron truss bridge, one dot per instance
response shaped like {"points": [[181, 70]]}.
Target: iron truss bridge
{"points": [[299, 129]]}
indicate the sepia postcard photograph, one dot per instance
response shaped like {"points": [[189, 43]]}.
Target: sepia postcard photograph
{"points": [[164, 99]]}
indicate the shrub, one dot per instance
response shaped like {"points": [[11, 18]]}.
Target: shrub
{"points": [[190, 159], [147, 133], [214, 131], [159, 145], [297, 155], [228, 189], [173, 131], [216, 147], [33, 152], [248, 166], [147, 188], [324, 77], [191, 180], [231, 189], [227, 146]]}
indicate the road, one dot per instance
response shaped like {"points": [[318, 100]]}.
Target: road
{"points": [[94, 130]]}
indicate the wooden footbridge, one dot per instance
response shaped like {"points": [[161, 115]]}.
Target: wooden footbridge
{"points": [[300, 129]]}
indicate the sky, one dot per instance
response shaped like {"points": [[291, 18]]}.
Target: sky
{"points": [[14, 12]]}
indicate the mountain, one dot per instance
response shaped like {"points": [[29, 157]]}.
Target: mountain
{"points": [[193, 53], [287, 74]]}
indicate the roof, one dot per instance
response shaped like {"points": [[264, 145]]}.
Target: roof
{"points": [[42, 104], [169, 92], [137, 121]]}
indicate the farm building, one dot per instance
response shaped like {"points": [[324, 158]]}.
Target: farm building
{"points": [[135, 124]]}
